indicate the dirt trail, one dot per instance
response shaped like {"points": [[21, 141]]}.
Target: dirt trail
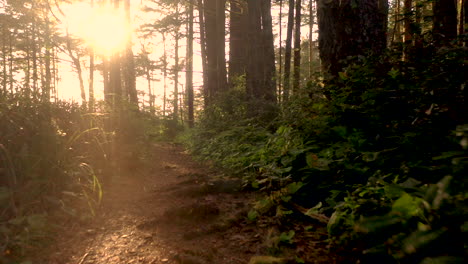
{"points": [[174, 213]]}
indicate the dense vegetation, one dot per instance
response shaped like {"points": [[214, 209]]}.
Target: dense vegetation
{"points": [[382, 161]]}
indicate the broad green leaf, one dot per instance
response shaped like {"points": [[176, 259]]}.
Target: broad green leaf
{"points": [[252, 215], [393, 191], [294, 187], [287, 237], [407, 205]]}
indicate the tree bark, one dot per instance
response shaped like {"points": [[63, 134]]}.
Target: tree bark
{"points": [[288, 51], [201, 18], [268, 52], [445, 22], [130, 74], [215, 47], [237, 43], [297, 48], [176, 68], [349, 29], [189, 67], [91, 75]]}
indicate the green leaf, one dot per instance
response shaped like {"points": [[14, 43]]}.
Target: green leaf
{"points": [[407, 205], [252, 215], [294, 187], [314, 210], [287, 237], [393, 191]]}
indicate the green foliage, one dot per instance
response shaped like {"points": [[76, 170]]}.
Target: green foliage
{"points": [[54, 158], [384, 156]]}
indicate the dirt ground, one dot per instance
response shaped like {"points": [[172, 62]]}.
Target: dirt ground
{"points": [[177, 211]]}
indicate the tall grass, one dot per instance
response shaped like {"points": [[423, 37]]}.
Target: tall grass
{"points": [[53, 159]]}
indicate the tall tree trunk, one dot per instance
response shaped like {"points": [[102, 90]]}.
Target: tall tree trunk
{"points": [[288, 51], [349, 29], [176, 69], [254, 76], [48, 74], [396, 34], [408, 25], [215, 43], [201, 18], [164, 74], [311, 37], [260, 80], [445, 22], [464, 20], [91, 80], [115, 78], [280, 53], [11, 59], [130, 74], [237, 43], [189, 68], [91, 75], [34, 55], [269, 86], [221, 45], [105, 76], [4, 59], [297, 48]]}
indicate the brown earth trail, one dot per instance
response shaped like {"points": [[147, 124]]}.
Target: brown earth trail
{"points": [[175, 213], [169, 209]]}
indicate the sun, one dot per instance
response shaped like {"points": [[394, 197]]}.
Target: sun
{"points": [[104, 28]]}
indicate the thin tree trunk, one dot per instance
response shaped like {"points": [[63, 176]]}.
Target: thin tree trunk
{"points": [[280, 53], [221, 45], [164, 74], [189, 67], [48, 75], [297, 48], [311, 26], [105, 76], [176, 69], [130, 74], [201, 18], [91, 74], [4, 60], [287, 52], [34, 55], [12, 57], [115, 79]]}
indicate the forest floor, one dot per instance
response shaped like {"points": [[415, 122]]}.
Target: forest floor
{"points": [[176, 211]]}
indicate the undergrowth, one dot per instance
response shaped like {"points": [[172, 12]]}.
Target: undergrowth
{"points": [[57, 160], [382, 161]]}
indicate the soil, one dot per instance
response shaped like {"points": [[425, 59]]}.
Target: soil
{"points": [[175, 211]]}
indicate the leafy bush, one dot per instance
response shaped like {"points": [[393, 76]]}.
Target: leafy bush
{"points": [[384, 156], [53, 160]]}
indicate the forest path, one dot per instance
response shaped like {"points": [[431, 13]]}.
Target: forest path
{"points": [[173, 212]]}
